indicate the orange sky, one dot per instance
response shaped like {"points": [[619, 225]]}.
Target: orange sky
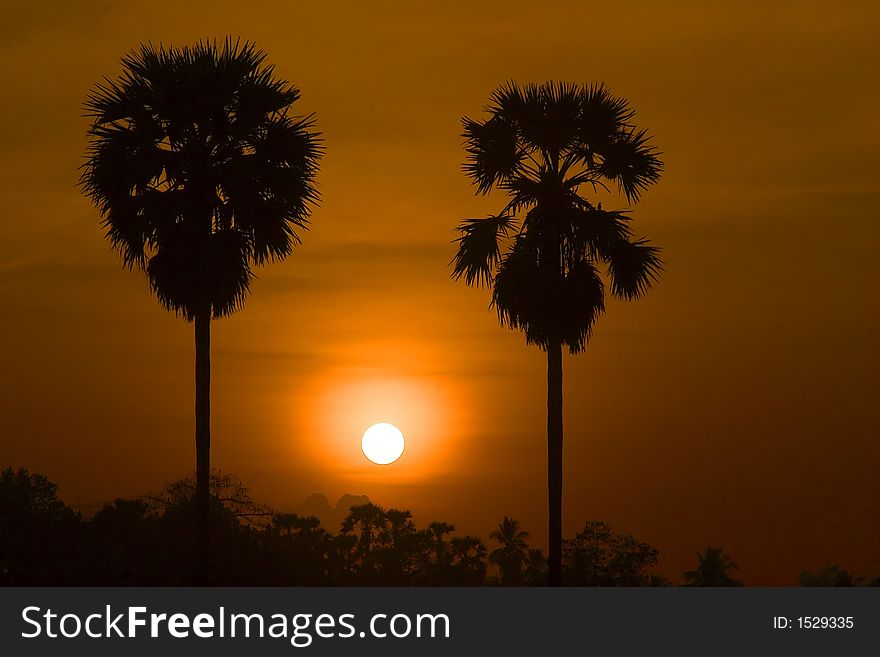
{"points": [[735, 406]]}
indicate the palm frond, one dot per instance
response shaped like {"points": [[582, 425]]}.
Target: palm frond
{"points": [[541, 189], [524, 191], [602, 117], [492, 151], [632, 162], [594, 231], [509, 100], [479, 248], [634, 266], [269, 193], [545, 115], [187, 274], [521, 294], [546, 306], [550, 125], [582, 301]]}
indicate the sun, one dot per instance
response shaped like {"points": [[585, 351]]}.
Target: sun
{"points": [[382, 443]]}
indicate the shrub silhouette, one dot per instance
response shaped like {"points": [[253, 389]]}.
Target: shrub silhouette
{"points": [[150, 540]]}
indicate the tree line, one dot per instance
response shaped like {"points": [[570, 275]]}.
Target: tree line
{"points": [[151, 541]]}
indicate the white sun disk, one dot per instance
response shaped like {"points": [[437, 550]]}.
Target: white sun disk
{"points": [[382, 443]]}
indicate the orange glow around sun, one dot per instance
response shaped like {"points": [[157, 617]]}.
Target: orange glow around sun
{"points": [[394, 384], [347, 408]]}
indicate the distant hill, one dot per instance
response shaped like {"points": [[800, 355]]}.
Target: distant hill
{"points": [[331, 516]]}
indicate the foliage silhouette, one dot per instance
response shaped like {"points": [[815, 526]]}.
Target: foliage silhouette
{"points": [[712, 569], [441, 556], [303, 536], [830, 575], [543, 252], [36, 530], [597, 556], [535, 573], [468, 566], [513, 554], [149, 541], [200, 172]]}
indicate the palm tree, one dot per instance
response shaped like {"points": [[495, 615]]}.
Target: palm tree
{"points": [[436, 533], [536, 568], [542, 254], [200, 172], [469, 557], [369, 519], [712, 569], [512, 556]]}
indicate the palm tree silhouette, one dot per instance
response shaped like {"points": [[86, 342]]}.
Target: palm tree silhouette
{"points": [[712, 570], [535, 573], [369, 520], [542, 254], [512, 556], [469, 556], [436, 532], [200, 172]]}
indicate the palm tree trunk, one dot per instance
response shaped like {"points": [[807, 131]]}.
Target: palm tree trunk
{"points": [[554, 458], [203, 434]]}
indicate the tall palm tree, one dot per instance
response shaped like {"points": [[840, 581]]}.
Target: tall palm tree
{"points": [[542, 254], [200, 172], [712, 570], [512, 556]]}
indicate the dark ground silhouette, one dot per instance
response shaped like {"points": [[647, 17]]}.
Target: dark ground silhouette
{"points": [[151, 540]]}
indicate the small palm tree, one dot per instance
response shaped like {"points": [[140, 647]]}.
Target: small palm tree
{"points": [[469, 557], [440, 546], [512, 556], [200, 172], [536, 568], [543, 253], [367, 519], [713, 569]]}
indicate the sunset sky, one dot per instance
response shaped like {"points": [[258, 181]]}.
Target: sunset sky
{"points": [[735, 406]]}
